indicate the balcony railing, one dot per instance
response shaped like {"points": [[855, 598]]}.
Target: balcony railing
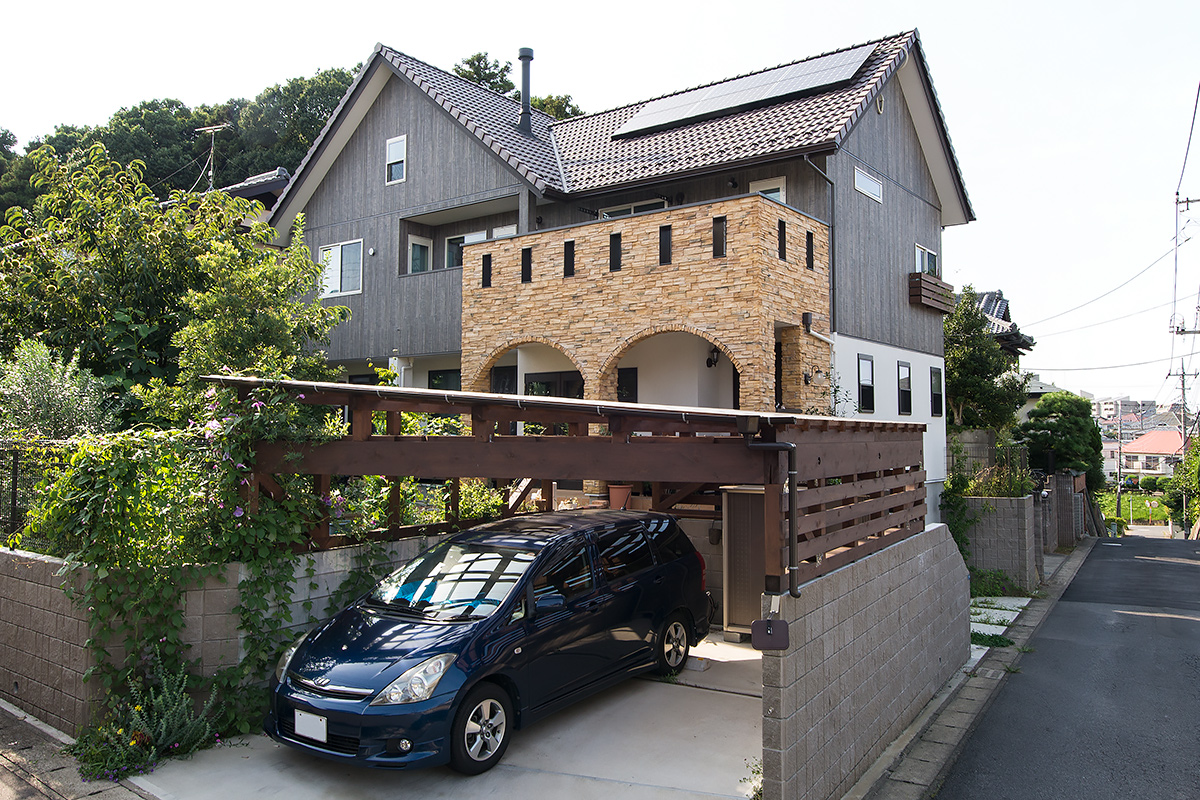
{"points": [[929, 291]]}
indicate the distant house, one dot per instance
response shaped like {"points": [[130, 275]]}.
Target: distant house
{"points": [[1153, 453], [1035, 390], [1000, 324], [764, 242]]}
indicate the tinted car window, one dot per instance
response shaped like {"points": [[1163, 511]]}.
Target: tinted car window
{"points": [[623, 552], [570, 576], [669, 539]]}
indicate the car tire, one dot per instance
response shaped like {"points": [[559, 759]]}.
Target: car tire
{"points": [[672, 646], [482, 727]]}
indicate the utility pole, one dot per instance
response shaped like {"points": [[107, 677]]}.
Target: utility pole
{"points": [[1183, 431], [212, 151], [1120, 458]]}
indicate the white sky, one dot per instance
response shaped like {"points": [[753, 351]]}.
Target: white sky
{"points": [[1069, 119]]}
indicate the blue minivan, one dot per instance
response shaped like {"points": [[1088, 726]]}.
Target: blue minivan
{"points": [[487, 632]]}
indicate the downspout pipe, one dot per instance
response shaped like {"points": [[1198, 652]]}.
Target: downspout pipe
{"points": [[793, 496]]}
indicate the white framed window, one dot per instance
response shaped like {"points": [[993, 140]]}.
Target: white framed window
{"points": [[904, 387], [870, 186], [454, 247], [866, 384], [420, 254], [775, 188], [397, 159], [927, 261], [504, 230], [342, 263], [632, 208]]}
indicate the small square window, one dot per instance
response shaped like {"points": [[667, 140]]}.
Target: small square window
{"points": [[868, 185], [775, 188], [342, 268], [397, 156], [927, 262]]}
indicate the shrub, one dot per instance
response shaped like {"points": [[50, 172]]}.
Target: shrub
{"points": [[994, 583], [44, 397]]}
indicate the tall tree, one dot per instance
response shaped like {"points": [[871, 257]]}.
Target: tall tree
{"points": [[1061, 434], [983, 389], [488, 73]]}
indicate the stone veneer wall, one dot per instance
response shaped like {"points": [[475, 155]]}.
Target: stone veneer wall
{"points": [[870, 645], [597, 315], [1005, 537], [42, 632]]}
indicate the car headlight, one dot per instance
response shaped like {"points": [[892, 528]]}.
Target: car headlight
{"points": [[416, 684], [286, 658]]}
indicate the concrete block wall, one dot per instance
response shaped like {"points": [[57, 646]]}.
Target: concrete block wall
{"points": [[42, 632], [42, 635], [870, 644], [1005, 538]]}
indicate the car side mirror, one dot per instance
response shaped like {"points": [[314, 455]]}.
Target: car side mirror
{"points": [[550, 602]]}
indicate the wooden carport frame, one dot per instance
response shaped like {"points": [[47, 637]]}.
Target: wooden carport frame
{"points": [[860, 484]]}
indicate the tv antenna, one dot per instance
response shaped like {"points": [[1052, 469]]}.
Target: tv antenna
{"points": [[212, 151]]}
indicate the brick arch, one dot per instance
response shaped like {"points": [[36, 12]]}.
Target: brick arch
{"points": [[614, 357], [480, 380]]}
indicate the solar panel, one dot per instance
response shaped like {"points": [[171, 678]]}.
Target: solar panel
{"points": [[751, 91]]}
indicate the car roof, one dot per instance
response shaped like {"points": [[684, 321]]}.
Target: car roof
{"points": [[537, 531]]}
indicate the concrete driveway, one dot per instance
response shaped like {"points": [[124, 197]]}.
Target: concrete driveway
{"points": [[640, 740]]}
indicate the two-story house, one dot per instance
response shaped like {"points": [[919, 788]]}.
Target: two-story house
{"points": [[767, 241]]}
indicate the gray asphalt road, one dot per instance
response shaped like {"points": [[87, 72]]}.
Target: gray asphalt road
{"points": [[1108, 704]]}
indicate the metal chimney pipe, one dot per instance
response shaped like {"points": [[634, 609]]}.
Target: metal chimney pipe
{"points": [[525, 124]]}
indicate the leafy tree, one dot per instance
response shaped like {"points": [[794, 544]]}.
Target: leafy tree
{"points": [[982, 388], [44, 397], [491, 74], [1148, 483], [1061, 428], [488, 73]]}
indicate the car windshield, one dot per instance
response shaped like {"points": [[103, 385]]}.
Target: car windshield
{"points": [[454, 581]]}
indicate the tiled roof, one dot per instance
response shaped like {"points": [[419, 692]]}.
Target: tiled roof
{"points": [[591, 159], [489, 116], [1164, 443]]}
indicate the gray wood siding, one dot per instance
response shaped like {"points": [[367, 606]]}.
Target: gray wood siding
{"points": [[421, 314], [875, 243]]}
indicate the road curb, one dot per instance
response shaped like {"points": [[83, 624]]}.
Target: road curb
{"points": [[917, 764]]}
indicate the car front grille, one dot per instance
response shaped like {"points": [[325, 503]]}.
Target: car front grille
{"points": [[345, 745]]}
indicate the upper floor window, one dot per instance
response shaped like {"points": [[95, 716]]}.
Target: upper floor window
{"points": [[632, 208], [927, 261], [866, 384], [868, 185], [454, 247], [935, 391], [504, 230], [775, 188], [343, 268], [904, 387], [420, 254], [397, 156]]}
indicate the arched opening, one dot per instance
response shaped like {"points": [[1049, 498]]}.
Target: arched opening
{"points": [[678, 368]]}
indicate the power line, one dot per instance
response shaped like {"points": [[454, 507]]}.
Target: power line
{"points": [[1191, 130], [1113, 366], [1041, 336], [1110, 291]]}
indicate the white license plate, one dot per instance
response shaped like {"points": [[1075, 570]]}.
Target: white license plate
{"points": [[311, 726]]}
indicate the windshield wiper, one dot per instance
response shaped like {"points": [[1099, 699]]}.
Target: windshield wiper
{"points": [[398, 604]]}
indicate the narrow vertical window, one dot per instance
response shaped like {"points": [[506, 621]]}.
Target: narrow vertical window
{"points": [[782, 240], [487, 271], [935, 391], [569, 258], [664, 244], [397, 155], [904, 387], [866, 384], [614, 252], [809, 248], [718, 237], [526, 264]]}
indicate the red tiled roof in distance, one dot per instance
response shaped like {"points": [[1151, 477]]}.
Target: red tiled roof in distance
{"points": [[1161, 443]]}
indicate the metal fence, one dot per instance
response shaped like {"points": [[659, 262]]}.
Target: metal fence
{"points": [[23, 466]]}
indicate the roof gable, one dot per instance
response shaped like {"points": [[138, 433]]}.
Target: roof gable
{"points": [[1163, 443]]}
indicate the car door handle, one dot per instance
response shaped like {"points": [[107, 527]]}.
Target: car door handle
{"points": [[658, 578]]}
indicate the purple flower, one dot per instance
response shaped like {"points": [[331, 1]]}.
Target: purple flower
{"points": [[299, 397], [237, 512]]}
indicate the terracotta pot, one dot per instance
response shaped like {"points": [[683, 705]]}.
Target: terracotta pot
{"points": [[618, 495]]}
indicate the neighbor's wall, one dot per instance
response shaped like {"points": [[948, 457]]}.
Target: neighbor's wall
{"points": [[870, 644], [42, 632], [1004, 537]]}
